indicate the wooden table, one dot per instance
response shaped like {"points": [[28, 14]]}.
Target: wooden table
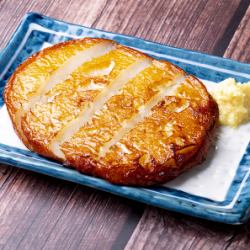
{"points": [[39, 212]]}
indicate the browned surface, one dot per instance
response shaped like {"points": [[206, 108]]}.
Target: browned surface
{"points": [[154, 156], [32, 206]]}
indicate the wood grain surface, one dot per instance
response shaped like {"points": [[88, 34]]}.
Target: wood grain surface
{"points": [[39, 212], [239, 47]]}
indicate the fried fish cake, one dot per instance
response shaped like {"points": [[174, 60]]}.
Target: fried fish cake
{"points": [[111, 111]]}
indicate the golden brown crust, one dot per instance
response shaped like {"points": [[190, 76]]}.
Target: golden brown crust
{"points": [[135, 174], [28, 61], [203, 114]]}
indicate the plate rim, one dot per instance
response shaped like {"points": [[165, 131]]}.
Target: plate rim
{"points": [[238, 216]]}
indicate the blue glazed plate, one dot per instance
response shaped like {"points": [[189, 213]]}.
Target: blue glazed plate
{"points": [[37, 31]]}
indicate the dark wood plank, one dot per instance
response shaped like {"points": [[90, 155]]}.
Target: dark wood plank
{"points": [[160, 229], [12, 11], [241, 239], [229, 32], [5, 172], [34, 225], [239, 47], [38, 211], [192, 25], [195, 25]]}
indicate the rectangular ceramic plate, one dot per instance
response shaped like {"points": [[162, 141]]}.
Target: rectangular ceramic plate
{"points": [[233, 206]]}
